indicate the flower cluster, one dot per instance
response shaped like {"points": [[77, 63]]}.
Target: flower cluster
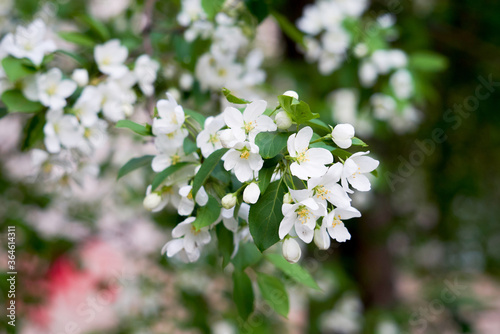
{"points": [[335, 31], [222, 168], [223, 64], [76, 111]]}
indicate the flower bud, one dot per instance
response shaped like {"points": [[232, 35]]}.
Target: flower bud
{"points": [[321, 239], [251, 193], [291, 250], [151, 201], [287, 198], [342, 135], [229, 201], [80, 76], [292, 94], [283, 120]]}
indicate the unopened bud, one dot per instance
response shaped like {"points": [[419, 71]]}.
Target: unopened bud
{"points": [[321, 239], [229, 201], [283, 120], [151, 201], [292, 94], [291, 250], [287, 198], [251, 193], [80, 76]]}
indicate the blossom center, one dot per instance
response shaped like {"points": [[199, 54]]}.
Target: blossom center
{"points": [[321, 192], [213, 139], [175, 159], [336, 221], [302, 157], [52, 90], [303, 214], [249, 126], [190, 195], [194, 231], [245, 153], [106, 61]]}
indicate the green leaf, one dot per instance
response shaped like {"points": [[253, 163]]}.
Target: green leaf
{"points": [[265, 175], [358, 142], [79, 59], [247, 255], [16, 102], [319, 125], [233, 99], [199, 118], [161, 176], [274, 293], [3, 112], [225, 243], [16, 69], [33, 131], [271, 143], [143, 130], [342, 154], [428, 61], [134, 164], [212, 7], [77, 38], [374, 173], [298, 110], [289, 29], [208, 214], [259, 9], [97, 26], [243, 294], [206, 169], [189, 146], [293, 270], [265, 216]]}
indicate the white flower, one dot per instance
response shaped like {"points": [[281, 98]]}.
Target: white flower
{"points": [[321, 238], [110, 58], [118, 97], [53, 90], [168, 156], [191, 11], [105, 10], [250, 123], [302, 215], [342, 135], [244, 160], [208, 139], [291, 93], [186, 205], [171, 116], [228, 219], [335, 227], [154, 201], [88, 105], [291, 250], [336, 40], [311, 20], [308, 162], [402, 84], [62, 130], [325, 188], [217, 71], [151, 201], [145, 70], [29, 42], [384, 106], [188, 239], [251, 193], [80, 76], [367, 74], [186, 81], [354, 169], [229, 201], [283, 120]]}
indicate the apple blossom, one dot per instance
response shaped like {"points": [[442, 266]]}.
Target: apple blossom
{"points": [[251, 193], [291, 250], [342, 135], [186, 205], [229, 201], [325, 188], [208, 140], [110, 58], [187, 239], [29, 42], [354, 169], [244, 160], [283, 120], [250, 123], [53, 90], [308, 162], [171, 116]]}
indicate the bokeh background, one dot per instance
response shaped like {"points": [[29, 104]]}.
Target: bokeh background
{"points": [[424, 258]]}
